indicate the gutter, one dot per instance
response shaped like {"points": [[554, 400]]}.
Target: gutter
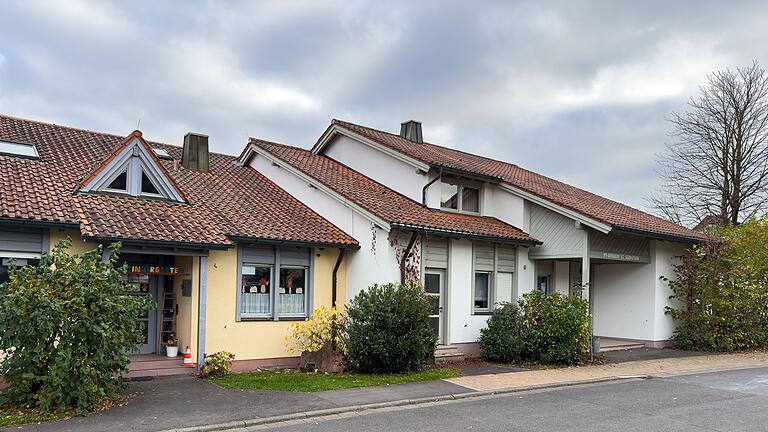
{"points": [[279, 242], [334, 279], [159, 243], [431, 182], [459, 234], [651, 234], [41, 224]]}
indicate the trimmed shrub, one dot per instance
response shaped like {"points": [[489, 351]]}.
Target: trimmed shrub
{"points": [[504, 339], [558, 327], [67, 326], [388, 329], [545, 328]]}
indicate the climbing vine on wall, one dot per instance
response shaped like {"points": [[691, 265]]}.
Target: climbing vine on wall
{"points": [[399, 242], [373, 239]]}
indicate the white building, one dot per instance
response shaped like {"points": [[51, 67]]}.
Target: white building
{"points": [[477, 231]]}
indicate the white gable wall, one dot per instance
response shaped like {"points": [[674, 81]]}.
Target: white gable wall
{"points": [[365, 266], [383, 168]]}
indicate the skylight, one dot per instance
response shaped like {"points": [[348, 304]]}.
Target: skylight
{"points": [[17, 149], [162, 154]]}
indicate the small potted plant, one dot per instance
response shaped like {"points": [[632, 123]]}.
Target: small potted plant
{"points": [[172, 346]]}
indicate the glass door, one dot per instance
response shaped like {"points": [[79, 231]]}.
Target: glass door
{"points": [[433, 287], [144, 285]]}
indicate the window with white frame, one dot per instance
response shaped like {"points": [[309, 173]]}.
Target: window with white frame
{"points": [[460, 196], [6, 263], [274, 283], [493, 275]]}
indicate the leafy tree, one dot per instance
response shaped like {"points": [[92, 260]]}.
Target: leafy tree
{"points": [[717, 164], [67, 326], [722, 291], [388, 329]]}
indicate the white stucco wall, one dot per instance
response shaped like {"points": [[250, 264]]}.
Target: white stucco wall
{"points": [[664, 255], [463, 325], [526, 272], [385, 169], [504, 206], [623, 301]]}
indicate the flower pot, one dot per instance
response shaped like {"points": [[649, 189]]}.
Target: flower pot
{"points": [[171, 351]]}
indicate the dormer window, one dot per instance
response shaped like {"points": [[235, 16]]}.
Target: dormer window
{"points": [[460, 196], [147, 187], [133, 169], [120, 183]]}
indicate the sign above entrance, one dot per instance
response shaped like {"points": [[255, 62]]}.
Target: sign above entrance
{"points": [[155, 270]]}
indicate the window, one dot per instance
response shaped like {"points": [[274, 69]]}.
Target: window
{"points": [[18, 262], [162, 154], [457, 196], [255, 291], [147, 187], [120, 183], [449, 196], [275, 283], [293, 291], [482, 291], [27, 151]]}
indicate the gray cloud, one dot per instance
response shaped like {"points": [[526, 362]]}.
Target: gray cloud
{"points": [[576, 91]]}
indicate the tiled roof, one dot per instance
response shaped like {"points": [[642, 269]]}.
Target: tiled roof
{"points": [[228, 201], [386, 204], [592, 206]]}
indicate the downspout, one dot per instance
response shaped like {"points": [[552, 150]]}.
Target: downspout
{"points": [[405, 256], [426, 186], [334, 280]]}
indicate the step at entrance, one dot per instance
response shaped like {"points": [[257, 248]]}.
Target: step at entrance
{"points": [[609, 344], [448, 354], [151, 366]]}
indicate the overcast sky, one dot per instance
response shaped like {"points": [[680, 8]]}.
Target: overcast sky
{"points": [[575, 90]]}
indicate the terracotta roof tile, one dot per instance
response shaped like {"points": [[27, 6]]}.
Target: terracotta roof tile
{"points": [[385, 203], [229, 200], [578, 200]]}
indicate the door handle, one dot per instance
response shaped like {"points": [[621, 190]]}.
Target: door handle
{"points": [[440, 310]]}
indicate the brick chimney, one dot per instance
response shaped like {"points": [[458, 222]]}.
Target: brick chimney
{"points": [[195, 153], [411, 130]]}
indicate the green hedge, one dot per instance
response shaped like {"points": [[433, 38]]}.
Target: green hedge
{"points": [[545, 328], [388, 329]]}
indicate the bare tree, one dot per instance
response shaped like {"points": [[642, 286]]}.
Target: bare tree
{"points": [[717, 164]]}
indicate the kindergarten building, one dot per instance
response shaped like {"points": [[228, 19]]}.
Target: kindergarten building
{"points": [[235, 248]]}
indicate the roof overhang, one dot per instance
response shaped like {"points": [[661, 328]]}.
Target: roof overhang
{"points": [[158, 243], [655, 235], [335, 130], [279, 242], [39, 223], [463, 234], [465, 173], [592, 223], [319, 185]]}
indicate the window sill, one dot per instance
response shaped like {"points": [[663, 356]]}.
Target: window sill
{"points": [[482, 313], [264, 319]]}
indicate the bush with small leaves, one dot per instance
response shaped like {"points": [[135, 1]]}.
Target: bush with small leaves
{"points": [[505, 338], [217, 364], [67, 326], [388, 329]]}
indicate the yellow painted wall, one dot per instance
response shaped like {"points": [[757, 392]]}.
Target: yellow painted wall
{"points": [[256, 339], [78, 245], [186, 320]]}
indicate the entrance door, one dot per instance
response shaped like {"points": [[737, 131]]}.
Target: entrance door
{"points": [[433, 286], [145, 285]]}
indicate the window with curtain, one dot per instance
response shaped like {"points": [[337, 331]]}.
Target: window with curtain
{"points": [[482, 291], [293, 291], [455, 195], [256, 291]]}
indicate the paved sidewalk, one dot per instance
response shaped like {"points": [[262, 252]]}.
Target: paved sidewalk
{"points": [[657, 367]]}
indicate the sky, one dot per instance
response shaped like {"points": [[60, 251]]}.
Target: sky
{"points": [[578, 91]]}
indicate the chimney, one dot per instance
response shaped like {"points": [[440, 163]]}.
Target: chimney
{"points": [[195, 153], [411, 130]]}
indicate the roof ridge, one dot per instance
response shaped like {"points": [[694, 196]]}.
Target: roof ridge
{"points": [[112, 135]]}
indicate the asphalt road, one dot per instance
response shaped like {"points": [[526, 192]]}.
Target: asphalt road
{"points": [[727, 401]]}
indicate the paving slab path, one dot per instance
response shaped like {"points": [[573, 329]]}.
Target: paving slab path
{"points": [[696, 363]]}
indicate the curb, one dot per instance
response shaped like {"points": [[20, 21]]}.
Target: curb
{"points": [[259, 421]]}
